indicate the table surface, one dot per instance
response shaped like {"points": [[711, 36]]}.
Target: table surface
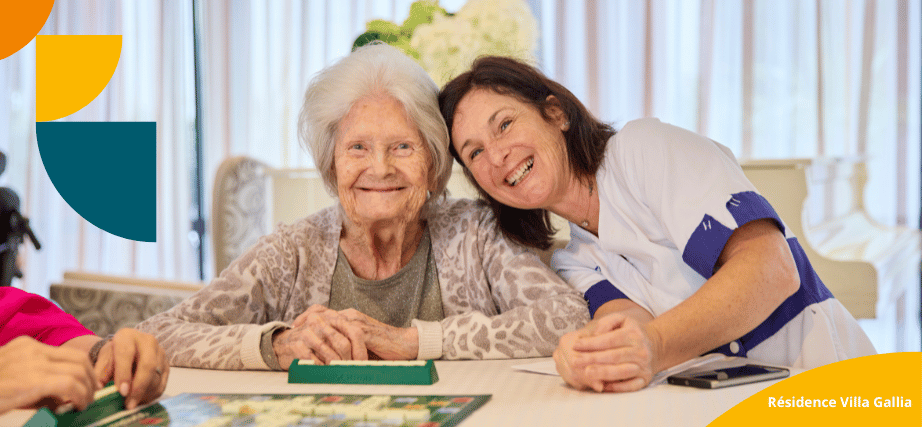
{"points": [[519, 398]]}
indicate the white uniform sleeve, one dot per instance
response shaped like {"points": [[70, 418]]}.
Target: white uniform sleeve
{"points": [[576, 265], [580, 264], [692, 185]]}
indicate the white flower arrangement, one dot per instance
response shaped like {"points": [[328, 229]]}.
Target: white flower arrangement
{"points": [[446, 45]]}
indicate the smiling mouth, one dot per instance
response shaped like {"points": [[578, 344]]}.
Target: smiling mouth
{"points": [[382, 190], [521, 172]]}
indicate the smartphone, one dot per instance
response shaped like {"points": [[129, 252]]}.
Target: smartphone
{"points": [[727, 377]]}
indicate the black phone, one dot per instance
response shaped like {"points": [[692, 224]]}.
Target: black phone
{"points": [[726, 377]]}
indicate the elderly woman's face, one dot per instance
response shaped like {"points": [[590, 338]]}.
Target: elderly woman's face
{"points": [[381, 163]]}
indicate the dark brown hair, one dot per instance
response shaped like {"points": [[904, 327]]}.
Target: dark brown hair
{"points": [[585, 138]]}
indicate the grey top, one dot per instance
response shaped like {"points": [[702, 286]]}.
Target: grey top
{"points": [[411, 293]]}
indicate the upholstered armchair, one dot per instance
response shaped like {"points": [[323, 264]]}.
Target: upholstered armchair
{"points": [[250, 198]]}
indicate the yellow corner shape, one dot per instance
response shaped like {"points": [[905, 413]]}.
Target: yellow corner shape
{"points": [[71, 71]]}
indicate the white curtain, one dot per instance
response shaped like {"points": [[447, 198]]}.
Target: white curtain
{"points": [[767, 78], [152, 83]]}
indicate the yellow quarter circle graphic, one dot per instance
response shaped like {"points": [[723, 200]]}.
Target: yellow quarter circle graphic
{"points": [[71, 71], [20, 21]]}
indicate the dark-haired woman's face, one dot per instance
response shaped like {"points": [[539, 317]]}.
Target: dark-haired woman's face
{"points": [[516, 156]]}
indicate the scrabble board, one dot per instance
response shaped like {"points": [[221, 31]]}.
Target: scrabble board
{"points": [[412, 372], [320, 410]]}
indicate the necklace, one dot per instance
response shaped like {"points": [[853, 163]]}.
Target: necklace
{"points": [[585, 222]]}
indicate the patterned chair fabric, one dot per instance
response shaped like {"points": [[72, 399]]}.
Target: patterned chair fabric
{"points": [[105, 304], [239, 213], [104, 311]]}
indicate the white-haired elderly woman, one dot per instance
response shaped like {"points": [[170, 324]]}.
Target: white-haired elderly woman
{"points": [[395, 270]]}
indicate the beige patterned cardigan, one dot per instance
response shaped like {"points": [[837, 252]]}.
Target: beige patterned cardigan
{"points": [[499, 299]]}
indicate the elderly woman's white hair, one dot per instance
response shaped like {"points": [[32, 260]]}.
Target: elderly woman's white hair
{"points": [[372, 70]]}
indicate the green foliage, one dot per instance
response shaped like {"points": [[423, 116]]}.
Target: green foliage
{"points": [[370, 36], [421, 12], [383, 27]]}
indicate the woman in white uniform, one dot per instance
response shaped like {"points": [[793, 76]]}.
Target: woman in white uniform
{"points": [[674, 249]]}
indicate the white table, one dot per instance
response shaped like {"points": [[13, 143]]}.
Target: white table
{"points": [[519, 398]]}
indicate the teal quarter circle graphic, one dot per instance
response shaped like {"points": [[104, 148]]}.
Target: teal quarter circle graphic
{"points": [[106, 171]]}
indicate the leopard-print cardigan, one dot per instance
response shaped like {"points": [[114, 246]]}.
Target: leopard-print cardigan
{"points": [[499, 299]]}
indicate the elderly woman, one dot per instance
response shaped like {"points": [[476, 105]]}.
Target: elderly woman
{"points": [[394, 270], [676, 252]]}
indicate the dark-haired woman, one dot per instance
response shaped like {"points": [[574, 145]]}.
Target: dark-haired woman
{"points": [[675, 251]]}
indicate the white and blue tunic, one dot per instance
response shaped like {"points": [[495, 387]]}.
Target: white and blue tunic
{"points": [[669, 201]]}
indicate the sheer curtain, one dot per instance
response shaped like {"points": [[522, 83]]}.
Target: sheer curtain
{"points": [[152, 83], [767, 78]]}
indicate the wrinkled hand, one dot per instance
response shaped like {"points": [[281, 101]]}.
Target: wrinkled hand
{"points": [[613, 353], [137, 364], [320, 334], [383, 340], [33, 374]]}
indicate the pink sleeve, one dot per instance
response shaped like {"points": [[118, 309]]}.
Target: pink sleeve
{"points": [[22, 313]]}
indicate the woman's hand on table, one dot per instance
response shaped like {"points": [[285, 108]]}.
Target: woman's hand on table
{"points": [[33, 374], [383, 340], [322, 335], [136, 363], [613, 353]]}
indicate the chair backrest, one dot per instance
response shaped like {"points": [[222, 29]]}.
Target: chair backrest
{"points": [[250, 198]]}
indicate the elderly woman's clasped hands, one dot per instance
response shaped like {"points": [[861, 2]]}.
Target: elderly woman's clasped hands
{"points": [[323, 335]]}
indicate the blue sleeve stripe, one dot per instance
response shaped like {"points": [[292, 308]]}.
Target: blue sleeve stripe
{"points": [[601, 293], [812, 291], [709, 238], [705, 245], [750, 206]]}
